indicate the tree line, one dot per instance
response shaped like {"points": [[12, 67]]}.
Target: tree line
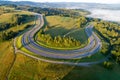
{"points": [[50, 11], [16, 21], [57, 41], [111, 32]]}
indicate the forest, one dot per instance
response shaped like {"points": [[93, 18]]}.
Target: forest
{"points": [[55, 11], [110, 31]]}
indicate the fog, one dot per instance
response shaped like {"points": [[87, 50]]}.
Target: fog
{"points": [[110, 15]]}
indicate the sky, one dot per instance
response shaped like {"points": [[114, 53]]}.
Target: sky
{"points": [[88, 1]]}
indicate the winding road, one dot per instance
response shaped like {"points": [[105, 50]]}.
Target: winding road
{"points": [[28, 41]]}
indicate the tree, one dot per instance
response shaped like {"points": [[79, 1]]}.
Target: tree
{"points": [[108, 65]]}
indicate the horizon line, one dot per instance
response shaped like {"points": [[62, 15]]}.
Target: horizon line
{"points": [[60, 2]]}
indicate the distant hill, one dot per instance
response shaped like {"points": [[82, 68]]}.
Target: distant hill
{"points": [[65, 5]]}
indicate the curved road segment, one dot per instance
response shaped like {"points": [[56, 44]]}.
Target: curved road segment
{"points": [[30, 44]]}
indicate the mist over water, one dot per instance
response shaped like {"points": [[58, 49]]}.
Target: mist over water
{"points": [[110, 15]]}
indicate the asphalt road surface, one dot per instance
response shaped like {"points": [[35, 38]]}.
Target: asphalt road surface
{"points": [[30, 44]]}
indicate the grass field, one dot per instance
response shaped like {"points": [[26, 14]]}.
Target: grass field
{"points": [[4, 9], [55, 31], [65, 26], [65, 22], [79, 34], [6, 17], [6, 58], [22, 70], [26, 68], [39, 70], [96, 72]]}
